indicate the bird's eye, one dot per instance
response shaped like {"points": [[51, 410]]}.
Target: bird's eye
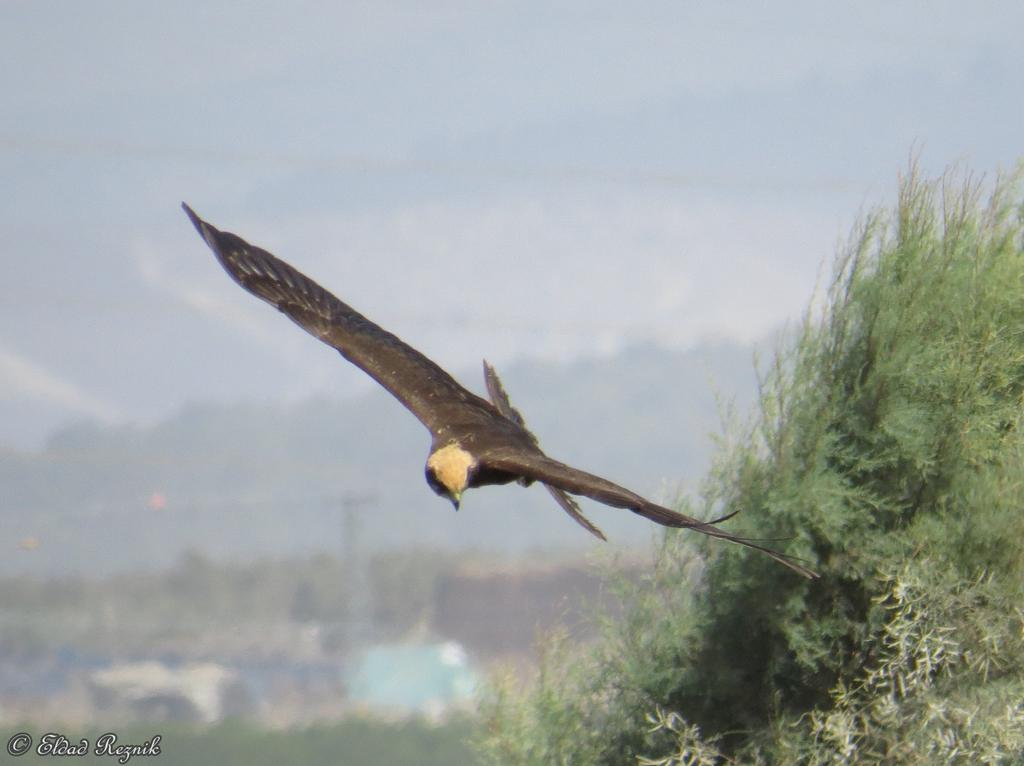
{"points": [[434, 483]]}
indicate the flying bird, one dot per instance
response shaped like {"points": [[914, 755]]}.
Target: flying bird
{"points": [[475, 442]]}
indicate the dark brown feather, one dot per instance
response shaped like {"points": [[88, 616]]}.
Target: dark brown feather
{"points": [[429, 392], [499, 398], [540, 467]]}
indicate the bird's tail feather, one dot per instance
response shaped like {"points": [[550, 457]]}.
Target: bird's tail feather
{"points": [[571, 507], [669, 518]]}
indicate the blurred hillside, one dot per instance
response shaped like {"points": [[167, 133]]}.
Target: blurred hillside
{"points": [[284, 642], [256, 479]]}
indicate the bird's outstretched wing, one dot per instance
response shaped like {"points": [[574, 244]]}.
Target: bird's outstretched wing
{"points": [[499, 398], [551, 472], [429, 392]]}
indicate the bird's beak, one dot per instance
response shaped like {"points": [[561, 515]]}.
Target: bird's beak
{"points": [[456, 499]]}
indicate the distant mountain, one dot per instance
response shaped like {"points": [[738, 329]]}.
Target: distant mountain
{"points": [[245, 480]]}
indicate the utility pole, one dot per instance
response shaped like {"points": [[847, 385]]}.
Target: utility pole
{"points": [[358, 622]]}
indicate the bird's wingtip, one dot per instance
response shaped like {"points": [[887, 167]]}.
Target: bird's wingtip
{"points": [[209, 233], [196, 220]]}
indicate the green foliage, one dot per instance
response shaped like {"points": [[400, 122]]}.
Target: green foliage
{"points": [[944, 686], [888, 452]]}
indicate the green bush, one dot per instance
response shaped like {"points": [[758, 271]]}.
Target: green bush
{"points": [[888, 452]]}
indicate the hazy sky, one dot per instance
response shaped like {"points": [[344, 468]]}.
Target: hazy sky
{"points": [[485, 179]]}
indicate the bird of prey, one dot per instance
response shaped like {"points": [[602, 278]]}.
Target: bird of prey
{"points": [[475, 442]]}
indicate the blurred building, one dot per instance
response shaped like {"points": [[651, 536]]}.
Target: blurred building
{"points": [[429, 679], [200, 692]]}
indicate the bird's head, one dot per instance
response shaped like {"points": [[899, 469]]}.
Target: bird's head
{"points": [[448, 471]]}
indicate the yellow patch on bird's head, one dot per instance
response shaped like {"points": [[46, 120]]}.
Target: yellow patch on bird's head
{"points": [[450, 465]]}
